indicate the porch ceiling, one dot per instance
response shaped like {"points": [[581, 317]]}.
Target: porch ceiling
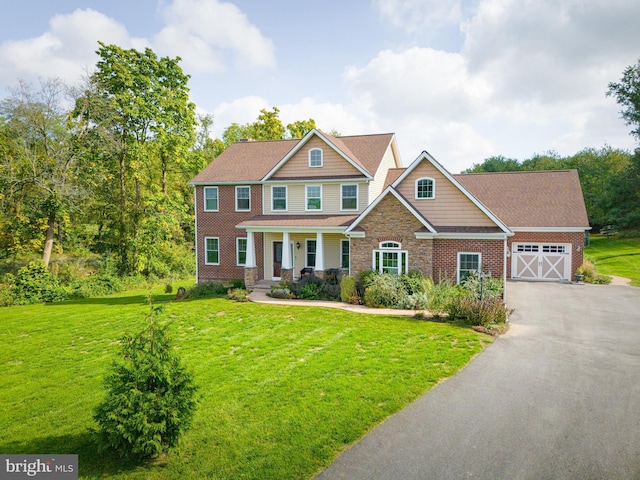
{"points": [[298, 221]]}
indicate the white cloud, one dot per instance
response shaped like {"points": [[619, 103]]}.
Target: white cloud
{"points": [[417, 15], [205, 32], [65, 50]]}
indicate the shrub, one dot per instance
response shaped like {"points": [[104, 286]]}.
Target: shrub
{"points": [[588, 269], [206, 289], [442, 294], [473, 311], [384, 290], [331, 291], [311, 291], [238, 294], [415, 301], [97, 285], [36, 284], [348, 288], [168, 288], [150, 397], [415, 282], [483, 287], [280, 292], [301, 286], [237, 283]]}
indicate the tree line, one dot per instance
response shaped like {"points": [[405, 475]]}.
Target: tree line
{"points": [[103, 168]]}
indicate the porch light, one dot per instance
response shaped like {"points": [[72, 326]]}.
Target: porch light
{"points": [[298, 245]]}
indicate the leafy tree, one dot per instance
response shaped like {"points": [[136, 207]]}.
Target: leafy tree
{"points": [[300, 128], [495, 164], [627, 94], [38, 166], [150, 397], [137, 128]]}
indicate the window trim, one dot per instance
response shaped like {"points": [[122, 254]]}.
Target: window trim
{"points": [[321, 157], [238, 263], [204, 199], [249, 198], [206, 251], [342, 242], [286, 198], [390, 247], [433, 188], [342, 197], [306, 252], [478, 254], [306, 198]]}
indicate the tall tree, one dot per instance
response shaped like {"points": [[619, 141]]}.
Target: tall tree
{"points": [[140, 124], [627, 94], [38, 165]]}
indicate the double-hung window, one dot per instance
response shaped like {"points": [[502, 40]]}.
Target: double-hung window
{"points": [[344, 253], [212, 250], [315, 157], [349, 197], [390, 258], [468, 263], [425, 188], [314, 197], [210, 199], [279, 198], [241, 251], [243, 199], [311, 253]]}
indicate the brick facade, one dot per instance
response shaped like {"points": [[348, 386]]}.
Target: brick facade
{"points": [[391, 221], [222, 224], [576, 239], [445, 256]]}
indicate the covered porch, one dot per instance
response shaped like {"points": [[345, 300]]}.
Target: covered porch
{"points": [[313, 243]]}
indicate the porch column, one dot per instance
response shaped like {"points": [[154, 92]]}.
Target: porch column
{"points": [[286, 268], [251, 251], [250, 267], [319, 253]]}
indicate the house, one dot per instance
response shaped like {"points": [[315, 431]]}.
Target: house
{"points": [[268, 210]]}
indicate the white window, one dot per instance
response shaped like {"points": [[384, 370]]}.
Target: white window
{"points": [[349, 197], [241, 251], [315, 157], [279, 198], [344, 253], [212, 250], [314, 197], [210, 199], [425, 188], [243, 199], [390, 259], [467, 264], [311, 253]]}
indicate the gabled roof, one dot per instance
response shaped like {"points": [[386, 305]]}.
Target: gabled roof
{"points": [[246, 161], [532, 199], [426, 157], [392, 191], [254, 161]]}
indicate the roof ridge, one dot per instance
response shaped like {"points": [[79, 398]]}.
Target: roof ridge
{"points": [[517, 171]]}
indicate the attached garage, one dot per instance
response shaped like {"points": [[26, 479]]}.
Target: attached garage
{"points": [[541, 261]]}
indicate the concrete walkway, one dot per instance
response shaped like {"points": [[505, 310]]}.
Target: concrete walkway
{"points": [[557, 397]]}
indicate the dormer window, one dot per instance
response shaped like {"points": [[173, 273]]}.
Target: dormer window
{"points": [[315, 157], [425, 188]]}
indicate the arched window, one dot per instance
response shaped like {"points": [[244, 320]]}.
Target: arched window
{"points": [[315, 157], [425, 188], [390, 258]]}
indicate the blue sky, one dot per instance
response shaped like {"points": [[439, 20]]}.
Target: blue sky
{"points": [[461, 79]]}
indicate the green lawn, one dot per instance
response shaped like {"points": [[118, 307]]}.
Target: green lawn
{"points": [[616, 256], [282, 389]]}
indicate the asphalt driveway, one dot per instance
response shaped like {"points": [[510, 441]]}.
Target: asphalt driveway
{"points": [[557, 397]]}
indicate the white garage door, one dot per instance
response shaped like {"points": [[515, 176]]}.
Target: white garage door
{"points": [[541, 261]]}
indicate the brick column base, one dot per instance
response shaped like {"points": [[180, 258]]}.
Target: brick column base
{"points": [[286, 274], [250, 276], [319, 274]]}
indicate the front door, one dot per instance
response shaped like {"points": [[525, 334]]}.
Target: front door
{"points": [[277, 259]]}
